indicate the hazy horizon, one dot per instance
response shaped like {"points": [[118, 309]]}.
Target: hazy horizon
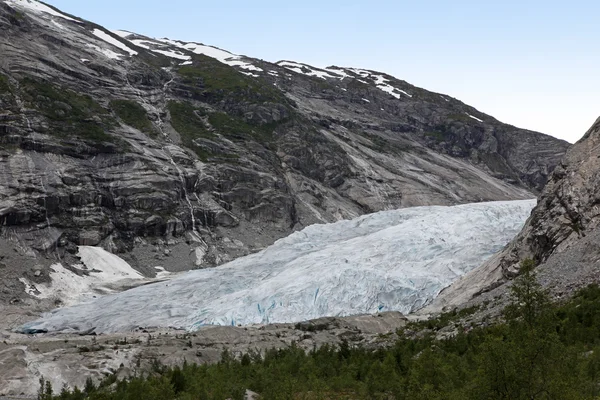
{"points": [[529, 65]]}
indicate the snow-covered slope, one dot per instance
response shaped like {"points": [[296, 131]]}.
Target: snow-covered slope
{"points": [[391, 260], [99, 273]]}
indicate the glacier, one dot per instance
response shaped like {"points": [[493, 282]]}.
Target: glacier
{"points": [[388, 261]]}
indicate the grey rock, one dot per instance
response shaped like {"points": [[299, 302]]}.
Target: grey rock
{"points": [[561, 235]]}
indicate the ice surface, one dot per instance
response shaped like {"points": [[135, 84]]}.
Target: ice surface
{"points": [[392, 260], [37, 7], [111, 40]]}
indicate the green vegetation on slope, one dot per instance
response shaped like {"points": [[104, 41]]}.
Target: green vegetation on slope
{"points": [[70, 114], [133, 115], [195, 123], [541, 351], [214, 81], [4, 86], [186, 121]]}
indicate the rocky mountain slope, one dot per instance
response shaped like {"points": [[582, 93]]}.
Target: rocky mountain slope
{"points": [[182, 155], [561, 236]]}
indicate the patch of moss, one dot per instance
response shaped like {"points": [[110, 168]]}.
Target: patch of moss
{"points": [[70, 114], [4, 85], [134, 115], [60, 104], [185, 118], [438, 136], [237, 129], [186, 121], [379, 143], [460, 117]]}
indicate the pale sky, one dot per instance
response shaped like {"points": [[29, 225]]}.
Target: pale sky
{"points": [[530, 63]]}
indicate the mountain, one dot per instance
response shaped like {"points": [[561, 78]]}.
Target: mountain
{"points": [[561, 235], [387, 261], [181, 155]]}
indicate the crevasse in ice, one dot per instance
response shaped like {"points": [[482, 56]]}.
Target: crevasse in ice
{"points": [[391, 260]]}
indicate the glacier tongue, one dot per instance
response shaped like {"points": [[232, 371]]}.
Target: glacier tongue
{"points": [[392, 260]]}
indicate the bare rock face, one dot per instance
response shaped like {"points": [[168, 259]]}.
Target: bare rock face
{"points": [[561, 235], [185, 156]]}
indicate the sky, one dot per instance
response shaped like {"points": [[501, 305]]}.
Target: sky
{"points": [[533, 64]]}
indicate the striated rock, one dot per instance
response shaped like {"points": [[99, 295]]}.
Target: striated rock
{"points": [[561, 235]]}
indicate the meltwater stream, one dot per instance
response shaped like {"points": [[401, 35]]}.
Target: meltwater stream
{"points": [[392, 260]]}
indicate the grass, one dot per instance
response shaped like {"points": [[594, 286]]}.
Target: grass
{"points": [[69, 113], [134, 115]]}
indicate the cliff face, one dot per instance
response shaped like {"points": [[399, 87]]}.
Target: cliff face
{"points": [[561, 236], [182, 155]]}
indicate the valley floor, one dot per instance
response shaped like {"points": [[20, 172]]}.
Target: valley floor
{"points": [[72, 358]]}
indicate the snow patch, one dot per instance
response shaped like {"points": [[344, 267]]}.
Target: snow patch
{"points": [[106, 52], [221, 55], [36, 7], [161, 273], [251, 74], [382, 83], [111, 40], [339, 71], [141, 43], [391, 260], [100, 272], [173, 54], [305, 69], [475, 118], [123, 34], [361, 72]]}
